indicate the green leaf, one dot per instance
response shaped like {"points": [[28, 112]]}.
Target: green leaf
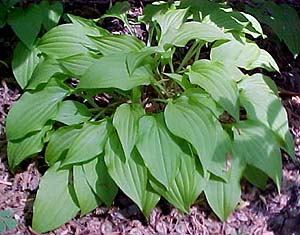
{"points": [[131, 176], [235, 53], [125, 121], [87, 199], [159, 149], [72, 112], [187, 185], [67, 40], [105, 73], [10, 223], [60, 142], [111, 44], [283, 20], [24, 63], [52, 13], [19, 150], [188, 31], [26, 23], [256, 177], [224, 196], [197, 126], [2, 226], [53, 205], [44, 72], [88, 144], [100, 181], [265, 61], [256, 144], [218, 82], [263, 105], [76, 65], [31, 112]]}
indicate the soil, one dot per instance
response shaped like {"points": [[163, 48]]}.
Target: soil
{"points": [[259, 212]]}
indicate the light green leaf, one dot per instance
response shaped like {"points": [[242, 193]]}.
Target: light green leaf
{"points": [[125, 121], [72, 112], [265, 61], [100, 181], [88, 144], [111, 44], [26, 23], [87, 199], [224, 196], [188, 31], [111, 72], [236, 53], [197, 126], [67, 40], [158, 148], [52, 13], [263, 105], [19, 150], [31, 112], [255, 143], [218, 82], [169, 19], [53, 205], [187, 185], [60, 142], [43, 73], [24, 62], [76, 65], [131, 176]]}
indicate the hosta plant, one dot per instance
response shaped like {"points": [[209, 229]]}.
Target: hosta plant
{"points": [[175, 117]]}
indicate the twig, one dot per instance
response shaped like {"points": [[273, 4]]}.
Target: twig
{"points": [[6, 183]]}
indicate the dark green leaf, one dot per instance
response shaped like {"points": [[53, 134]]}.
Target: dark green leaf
{"points": [[256, 177], [26, 23], [53, 205], [24, 63], [52, 13], [99, 180]]}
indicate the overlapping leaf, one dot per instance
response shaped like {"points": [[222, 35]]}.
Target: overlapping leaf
{"points": [[262, 104], [47, 212], [125, 121], [256, 144], [196, 126], [72, 112], [60, 142], [88, 144], [131, 176], [111, 72], [215, 79], [160, 152], [87, 199], [33, 110], [24, 63], [99, 180]]}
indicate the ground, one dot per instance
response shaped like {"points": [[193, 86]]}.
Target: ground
{"points": [[259, 213]]}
